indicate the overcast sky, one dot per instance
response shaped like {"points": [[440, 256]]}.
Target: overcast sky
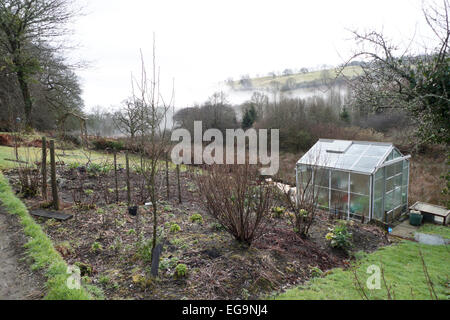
{"points": [[201, 43]]}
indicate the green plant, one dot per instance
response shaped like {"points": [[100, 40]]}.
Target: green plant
{"points": [[217, 226], [315, 272], [174, 228], [340, 237], [104, 280], [117, 244], [74, 165], [144, 249], [176, 241], [278, 212], [89, 192], [85, 269], [96, 247], [196, 218], [167, 263], [245, 294], [95, 168], [181, 270]]}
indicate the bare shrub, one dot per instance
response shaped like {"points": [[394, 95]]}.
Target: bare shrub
{"points": [[238, 199], [29, 175], [303, 205], [29, 180]]}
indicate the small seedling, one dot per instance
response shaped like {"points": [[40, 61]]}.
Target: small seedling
{"points": [[96, 247], [217, 226]]}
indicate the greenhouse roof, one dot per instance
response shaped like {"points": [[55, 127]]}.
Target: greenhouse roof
{"points": [[358, 156]]}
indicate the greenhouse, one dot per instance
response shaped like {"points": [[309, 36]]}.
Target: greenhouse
{"points": [[355, 179]]}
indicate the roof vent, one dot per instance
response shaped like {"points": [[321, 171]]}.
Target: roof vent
{"points": [[338, 146]]}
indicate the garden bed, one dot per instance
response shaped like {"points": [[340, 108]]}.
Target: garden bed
{"points": [[103, 239]]}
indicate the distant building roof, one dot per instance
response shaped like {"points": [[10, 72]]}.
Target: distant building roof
{"points": [[359, 156]]}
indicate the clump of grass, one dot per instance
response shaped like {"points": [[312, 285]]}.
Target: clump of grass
{"points": [[181, 270], [196, 217], [96, 247], [174, 228], [42, 251]]}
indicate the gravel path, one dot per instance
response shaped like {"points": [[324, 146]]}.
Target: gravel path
{"points": [[17, 281]]}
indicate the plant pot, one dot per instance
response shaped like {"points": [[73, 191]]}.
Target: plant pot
{"points": [[133, 210], [415, 219]]}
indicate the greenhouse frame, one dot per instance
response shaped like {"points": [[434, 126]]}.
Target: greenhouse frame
{"points": [[355, 179]]}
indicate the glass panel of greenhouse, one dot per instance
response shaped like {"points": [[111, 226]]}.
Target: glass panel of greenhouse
{"points": [[355, 179]]}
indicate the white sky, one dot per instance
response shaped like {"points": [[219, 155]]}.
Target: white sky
{"points": [[200, 43]]}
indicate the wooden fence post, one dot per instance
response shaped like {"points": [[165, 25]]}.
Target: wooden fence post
{"points": [[167, 175], [127, 164], [53, 175], [44, 168], [179, 183], [115, 177]]}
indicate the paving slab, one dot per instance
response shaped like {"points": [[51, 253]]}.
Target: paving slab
{"points": [[405, 230], [431, 239], [52, 215]]}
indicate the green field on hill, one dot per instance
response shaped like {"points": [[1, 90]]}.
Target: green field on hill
{"points": [[301, 78]]}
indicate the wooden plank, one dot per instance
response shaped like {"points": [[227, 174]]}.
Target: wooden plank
{"points": [[16, 161], [430, 208], [52, 215]]}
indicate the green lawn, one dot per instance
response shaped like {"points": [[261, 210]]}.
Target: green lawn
{"points": [[79, 156], [68, 156], [402, 267]]}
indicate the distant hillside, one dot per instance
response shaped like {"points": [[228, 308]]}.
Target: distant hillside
{"points": [[293, 81]]}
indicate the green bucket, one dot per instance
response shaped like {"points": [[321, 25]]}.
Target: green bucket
{"points": [[415, 219]]}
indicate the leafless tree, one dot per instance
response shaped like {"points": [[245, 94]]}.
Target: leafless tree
{"points": [[154, 139], [28, 26], [129, 119], [397, 78]]}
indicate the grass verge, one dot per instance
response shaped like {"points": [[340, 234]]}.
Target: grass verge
{"points": [[403, 271], [41, 250]]}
